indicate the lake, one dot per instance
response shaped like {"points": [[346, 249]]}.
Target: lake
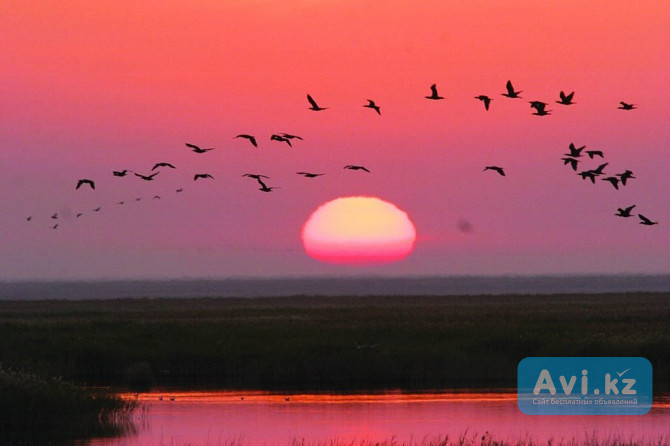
{"points": [[257, 418]]}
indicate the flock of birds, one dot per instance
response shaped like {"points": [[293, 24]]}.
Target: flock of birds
{"points": [[572, 158]]}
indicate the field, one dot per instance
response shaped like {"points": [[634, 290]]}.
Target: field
{"points": [[327, 343]]}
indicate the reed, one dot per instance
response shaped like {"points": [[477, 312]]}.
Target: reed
{"points": [[50, 409]]}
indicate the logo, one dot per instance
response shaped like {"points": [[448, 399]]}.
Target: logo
{"points": [[584, 386]]}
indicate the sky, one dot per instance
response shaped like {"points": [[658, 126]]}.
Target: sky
{"points": [[92, 87]]}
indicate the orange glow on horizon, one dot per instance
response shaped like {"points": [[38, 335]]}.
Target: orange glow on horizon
{"points": [[358, 230]]}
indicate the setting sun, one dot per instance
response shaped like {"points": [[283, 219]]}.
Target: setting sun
{"points": [[358, 230]]}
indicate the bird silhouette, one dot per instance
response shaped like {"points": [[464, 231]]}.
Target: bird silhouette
{"points": [[371, 104], [626, 106], [289, 136], [594, 153], [645, 221], [353, 167], [157, 165], [566, 99], [251, 139], [625, 176], [120, 173], [54, 215], [197, 149], [540, 108], [588, 174], [613, 180], [500, 170], [264, 187], [510, 91], [281, 138], [85, 181], [55, 226], [147, 177], [256, 176], [156, 197], [79, 214], [433, 93], [575, 152], [309, 174], [97, 209], [180, 190], [485, 99], [314, 105], [30, 217], [198, 176], [624, 212], [572, 161]]}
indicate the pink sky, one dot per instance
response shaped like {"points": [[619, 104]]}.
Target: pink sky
{"points": [[91, 87]]}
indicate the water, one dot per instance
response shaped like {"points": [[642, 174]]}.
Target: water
{"points": [[219, 418], [350, 286]]}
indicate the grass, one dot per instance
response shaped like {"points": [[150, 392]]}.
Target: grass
{"points": [[52, 410], [328, 343]]}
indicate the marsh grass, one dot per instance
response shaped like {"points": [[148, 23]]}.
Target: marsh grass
{"points": [[328, 343], [50, 410]]}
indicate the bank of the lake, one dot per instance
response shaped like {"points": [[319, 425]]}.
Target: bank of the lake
{"points": [[306, 343]]}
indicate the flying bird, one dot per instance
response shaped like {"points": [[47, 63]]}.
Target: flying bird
{"points": [[180, 190], [352, 167], [594, 153], [202, 175], [309, 174], [572, 161], [575, 152], [433, 93], [613, 180], [371, 104], [256, 176], [264, 187], [251, 139], [197, 149], [156, 197], [626, 106], [97, 209], [625, 176], [289, 136], [624, 212], [645, 221], [495, 168], [30, 217], [510, 91], [314, 105], [54, 215], [539, 107], [280, 138], [120, 173], [147, 177], [55, 226], [566, 99], [588, 174], [157, 165], [485, 99], [79, 214], [85, 181]]}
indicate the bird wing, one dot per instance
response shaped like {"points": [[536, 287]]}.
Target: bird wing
{"points": [[569, 97], [193, 146], [261, 183], [433, 89], [644, 219], [312, 101], [510, 88], [629, 208]]}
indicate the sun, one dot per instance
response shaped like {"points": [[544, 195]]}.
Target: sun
{"points": [[358, 230]]}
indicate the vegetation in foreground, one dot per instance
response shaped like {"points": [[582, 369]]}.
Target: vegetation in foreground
{"points": [[52, 410], [328, 343]]}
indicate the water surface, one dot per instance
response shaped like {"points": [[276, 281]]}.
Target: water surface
{"points": [[256, 418]]}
